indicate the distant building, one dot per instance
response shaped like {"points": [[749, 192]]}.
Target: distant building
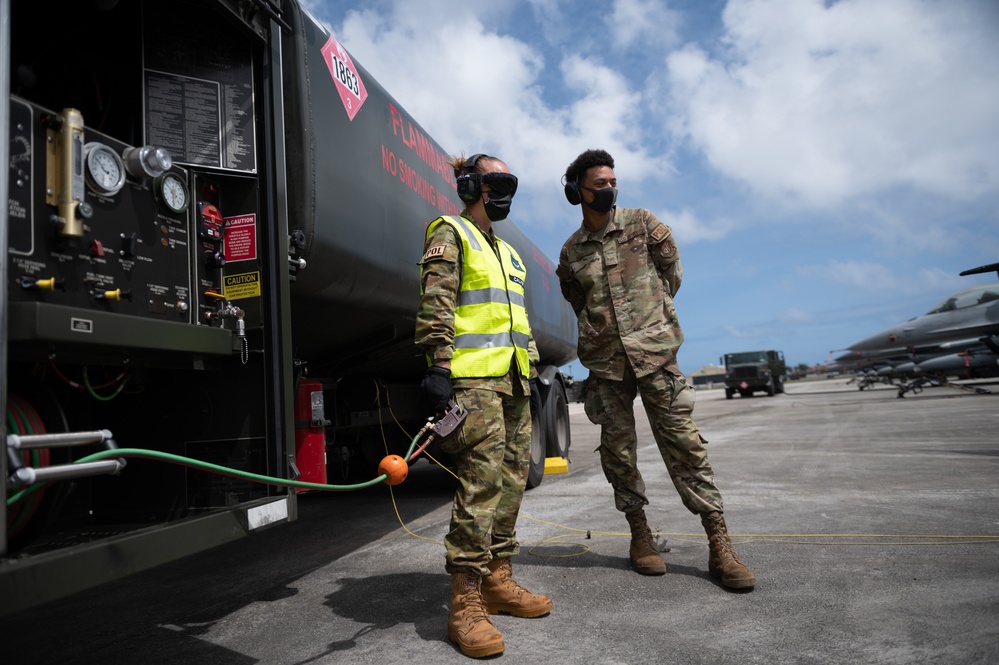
{"points": [[708, 376]]}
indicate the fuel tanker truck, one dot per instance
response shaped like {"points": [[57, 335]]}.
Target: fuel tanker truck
{"points": [[214, 223]]}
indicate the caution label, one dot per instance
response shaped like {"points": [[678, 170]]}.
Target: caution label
{"points": [[246, 285], [240, 240]]}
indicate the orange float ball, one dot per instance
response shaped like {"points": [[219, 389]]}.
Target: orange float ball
{"points": [[394, 468]]}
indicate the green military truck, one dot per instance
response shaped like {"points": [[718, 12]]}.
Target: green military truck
{"points": [[749, 371]]}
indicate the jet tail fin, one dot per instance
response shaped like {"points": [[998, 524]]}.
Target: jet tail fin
{"points": [[980, 269]]}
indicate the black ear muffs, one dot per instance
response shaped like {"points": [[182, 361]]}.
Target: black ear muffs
{"points": [[469, 184], [572, 193], [468, 187]]}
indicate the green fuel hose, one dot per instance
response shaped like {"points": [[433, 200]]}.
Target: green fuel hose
{"points": [[223, 470]]}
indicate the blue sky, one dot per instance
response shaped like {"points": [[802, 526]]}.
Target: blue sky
{"points": [[828, 168]]}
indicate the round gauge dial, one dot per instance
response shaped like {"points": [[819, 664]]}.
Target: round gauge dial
{"points": [[171, 191], [105, 171]]}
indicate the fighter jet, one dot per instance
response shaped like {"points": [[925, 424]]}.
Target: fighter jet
{"points": [[885, 362], [878, 358], [971, 313], [924, 347]]}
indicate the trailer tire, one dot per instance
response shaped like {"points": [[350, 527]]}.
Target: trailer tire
{"points": [[536, 472], [556, 417]]}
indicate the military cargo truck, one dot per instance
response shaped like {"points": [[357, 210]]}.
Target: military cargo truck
{"points": [[749, 371]]}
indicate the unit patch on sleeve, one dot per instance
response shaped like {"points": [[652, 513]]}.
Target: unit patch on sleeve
{"points": [[662, 237], [667, 248], [659, 233], [434, 252]]}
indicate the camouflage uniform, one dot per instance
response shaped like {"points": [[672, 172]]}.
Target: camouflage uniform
{"points": [[492, 453], [620, 280]]}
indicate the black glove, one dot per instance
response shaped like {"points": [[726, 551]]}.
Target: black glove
{"points": [[534, 386], [436, 389]]}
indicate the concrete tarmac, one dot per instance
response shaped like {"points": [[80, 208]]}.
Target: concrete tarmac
{"points": [[871, 523]]}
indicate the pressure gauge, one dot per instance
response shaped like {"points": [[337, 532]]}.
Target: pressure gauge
{"points": [[104, 169], [171, 192]]}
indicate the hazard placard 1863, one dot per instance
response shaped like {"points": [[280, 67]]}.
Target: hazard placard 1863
{"points": [[348, 82]]}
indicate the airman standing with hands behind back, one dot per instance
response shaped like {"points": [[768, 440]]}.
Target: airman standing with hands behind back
{"points": [[472, 325], [620, 271]]}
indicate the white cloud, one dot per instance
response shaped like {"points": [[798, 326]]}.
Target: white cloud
{"points": [[748, 332], [644, 23], [604, 112], [821, 102], [863, 274], [870, 276], [793, 315], [687, 228]]}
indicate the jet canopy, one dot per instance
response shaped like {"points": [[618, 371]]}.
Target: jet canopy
{"points": [[976, 295]]}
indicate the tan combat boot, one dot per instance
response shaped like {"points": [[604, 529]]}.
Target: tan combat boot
{"points": [[502, 594], [645, 558], [722, 561], [468, 625]]}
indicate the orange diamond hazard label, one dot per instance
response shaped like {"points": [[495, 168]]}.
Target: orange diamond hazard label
{"points": [[348, 83]]}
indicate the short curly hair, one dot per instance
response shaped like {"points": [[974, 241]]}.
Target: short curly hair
{"points": [[585, 161]]}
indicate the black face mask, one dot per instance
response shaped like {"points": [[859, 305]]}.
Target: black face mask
{"points": [[497, 207], [603, 199]]}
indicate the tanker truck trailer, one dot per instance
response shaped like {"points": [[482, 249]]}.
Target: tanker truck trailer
{"points": [[214, 222]]}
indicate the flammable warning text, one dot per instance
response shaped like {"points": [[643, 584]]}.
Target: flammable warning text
{"points": [[423, 146], [246, 285], [416, 182]]}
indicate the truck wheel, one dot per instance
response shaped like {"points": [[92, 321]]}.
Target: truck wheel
{"points": [[770, 388], [556, 417], [536, 472], [729, 392]]}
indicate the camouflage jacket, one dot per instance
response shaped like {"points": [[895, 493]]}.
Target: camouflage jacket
{"points": [[621, 280], [441, 280]]}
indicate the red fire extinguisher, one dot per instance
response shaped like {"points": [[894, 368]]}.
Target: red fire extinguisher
{"points": [[310, 432]]}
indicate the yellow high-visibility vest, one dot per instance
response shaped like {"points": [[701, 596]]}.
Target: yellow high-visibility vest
{"points": [[490, 316]]}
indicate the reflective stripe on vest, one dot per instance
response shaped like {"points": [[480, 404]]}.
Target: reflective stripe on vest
{"points": [[490, 316]]}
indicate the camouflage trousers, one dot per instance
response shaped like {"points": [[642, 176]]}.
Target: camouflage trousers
{"points": [[491, 459], [669, 404]]}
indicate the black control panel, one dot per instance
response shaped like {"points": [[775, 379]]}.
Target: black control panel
{"points": [[106, 241], [131, 253]]}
